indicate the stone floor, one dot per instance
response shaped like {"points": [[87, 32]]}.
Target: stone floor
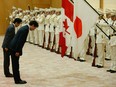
{"points": [[41, 68]]}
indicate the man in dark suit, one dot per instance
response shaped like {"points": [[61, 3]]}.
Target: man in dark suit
{"points": [[10, 33], [16, 47]]}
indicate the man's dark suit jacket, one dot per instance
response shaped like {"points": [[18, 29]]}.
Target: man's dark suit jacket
{"points": [[10, 33], [19, 39]]}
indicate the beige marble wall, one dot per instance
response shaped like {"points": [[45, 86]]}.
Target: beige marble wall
{"points": [[110, 4], [94, 3]]}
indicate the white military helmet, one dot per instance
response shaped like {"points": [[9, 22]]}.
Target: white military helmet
{"points": [[36, 8], [14, 8], [19, 9], [114, 11]]}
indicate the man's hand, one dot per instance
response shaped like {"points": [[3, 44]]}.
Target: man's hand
{"points": [[17, 54], [6, 49]]}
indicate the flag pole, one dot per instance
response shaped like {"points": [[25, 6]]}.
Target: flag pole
{"points": [[95, 51], [99, 15], [72, 1]]}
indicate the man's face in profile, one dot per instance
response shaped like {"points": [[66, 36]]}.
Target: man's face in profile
{"points": [[32, 27]]}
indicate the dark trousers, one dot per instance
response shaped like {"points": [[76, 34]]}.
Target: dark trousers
{"points": [[6, 61], [15, 67]]}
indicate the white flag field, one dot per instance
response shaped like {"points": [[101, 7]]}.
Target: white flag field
{"points": [[83, 15]]}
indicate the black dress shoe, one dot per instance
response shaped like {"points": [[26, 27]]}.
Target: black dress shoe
{"points": [[112, 71], [78, 59], [96, 65], [99, 66], [107, 59], [91, 54], [109, 70], [82, 60], [39, 45], [9, 75], [21, 82]]}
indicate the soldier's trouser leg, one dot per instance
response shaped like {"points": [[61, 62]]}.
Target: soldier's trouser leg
{"points": [[28, 38], [113, 57], [31, 34], [92, 44], [101, 54], [46, 39], [56, 42], [68, 50], [108, 56], [84, 50], [68, 43], [51, 39], [75, 54], [41, 37], [83, 54], [36, 36]]}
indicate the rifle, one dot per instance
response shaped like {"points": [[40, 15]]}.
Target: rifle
{"points": [[70, 56], [89, 46], [29, 7], [44, 37], [48, 47], [52, 50], [95, 50], [58, 52]]}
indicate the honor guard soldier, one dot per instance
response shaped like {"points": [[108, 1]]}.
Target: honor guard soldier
{"points": [[100, 41], [47, 28], [52, 28], [57, 21], [113, 45], [107, 28], [92, 43], [35, 14], [41, 21], [82, 54]]}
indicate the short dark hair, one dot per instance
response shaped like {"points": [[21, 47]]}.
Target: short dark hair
{"points": [[33, 23], [18, 20]]}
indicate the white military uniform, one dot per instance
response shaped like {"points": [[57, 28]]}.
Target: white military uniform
{"points": [[41, 21], [100, 40], [52, 25], [108, 29], [113, 49], [82, 54], [57, 21], [47, 29], [92, 36]]}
